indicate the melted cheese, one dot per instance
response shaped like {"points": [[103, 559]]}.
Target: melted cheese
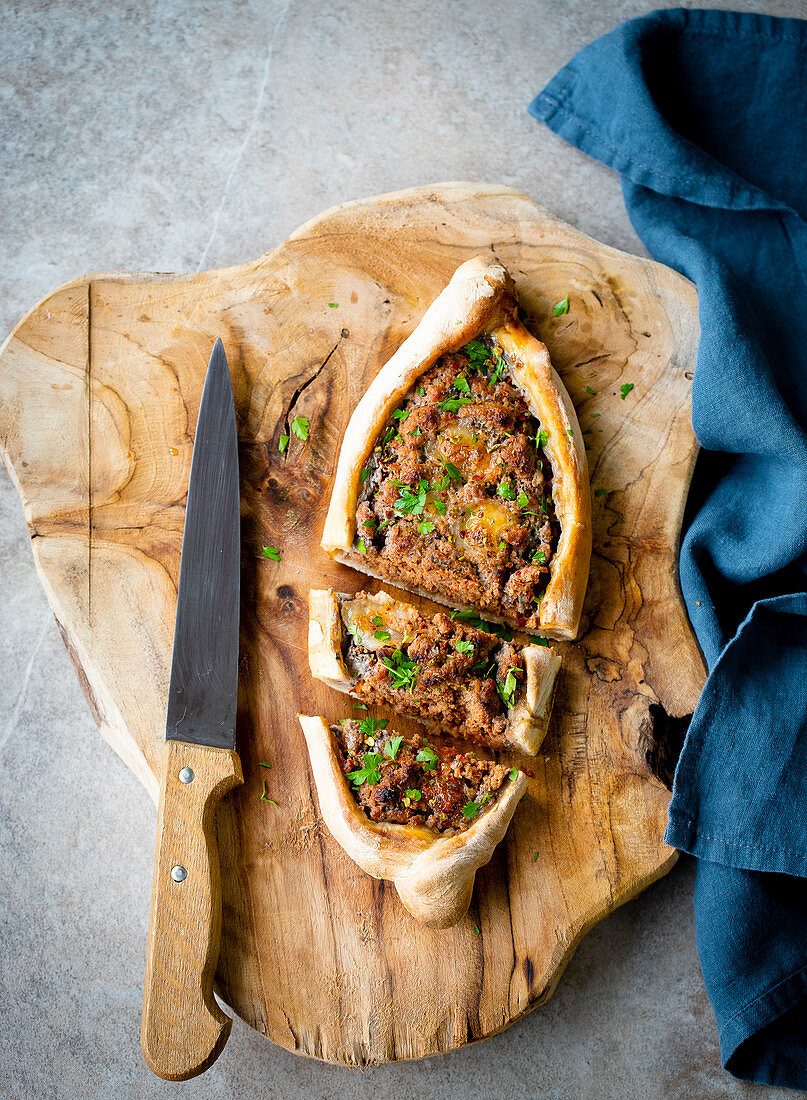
{"points": [[456, 444]]}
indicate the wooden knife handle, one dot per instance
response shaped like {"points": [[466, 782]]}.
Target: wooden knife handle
{"points": [[184, 1030]]}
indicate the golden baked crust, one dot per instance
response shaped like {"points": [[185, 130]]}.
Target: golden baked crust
{"points": [[480, 300], [527, 721], [433, 874]]}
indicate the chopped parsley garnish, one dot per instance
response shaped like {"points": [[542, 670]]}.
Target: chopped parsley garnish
{"points": [[388, 434], [600, 492], [425, 527], [507, 690], [283, 443], [404, 671], [412, 501], [439, 507], [427, 757], [400, 414], [332, 305], [369, 725], [625, 389], [368, 772], [539, 556], [590, 390], [452, 404], [392, 746], [365, 473], [420, 391], [499, 368], [538, 641], [463, 647], [361, 546], [535, 857], [300, 427], [561, 307], [413, 794], [451, 470], [477, 351], [541, 439], [270, 552], [470, 810], [264, 797], [477, 930], [416, 431], [514, 774], [461, 384], [381, 635], [505, 489], [522, 500], [263, 764]]}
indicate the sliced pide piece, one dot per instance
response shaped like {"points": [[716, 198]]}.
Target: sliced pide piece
{"points": [[448, 672], [410, 810], [462, 473]]}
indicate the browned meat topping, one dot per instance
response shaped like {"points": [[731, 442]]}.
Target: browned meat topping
{"points": [[457, 496], [412, 781], [458, 675]]}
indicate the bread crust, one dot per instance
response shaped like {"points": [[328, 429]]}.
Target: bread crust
{"points": [[527, 722], [480, 300], [434, 875]]}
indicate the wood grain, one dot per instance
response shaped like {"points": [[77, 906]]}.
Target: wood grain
{"points": [[99, 394], [183, 1029]]}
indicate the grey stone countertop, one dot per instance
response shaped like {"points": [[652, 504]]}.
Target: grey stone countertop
{"points": [[173, 135]]}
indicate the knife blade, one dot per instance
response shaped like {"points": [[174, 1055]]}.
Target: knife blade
{"points": [[183, 1029]]}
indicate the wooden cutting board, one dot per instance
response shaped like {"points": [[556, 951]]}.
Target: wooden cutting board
{"points": [[99, 394]]}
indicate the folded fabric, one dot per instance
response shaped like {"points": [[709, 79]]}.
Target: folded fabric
{"points": [[703, 115]]}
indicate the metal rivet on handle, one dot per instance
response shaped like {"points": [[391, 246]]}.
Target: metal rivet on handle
{"points": [[178, 873], [186, 775]]}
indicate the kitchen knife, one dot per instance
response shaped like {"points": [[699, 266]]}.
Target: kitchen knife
{"points": [[183, 1029]]}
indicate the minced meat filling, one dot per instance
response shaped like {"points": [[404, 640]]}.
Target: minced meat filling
{"points": [[412, 781], [462, 678], [456, 498]]}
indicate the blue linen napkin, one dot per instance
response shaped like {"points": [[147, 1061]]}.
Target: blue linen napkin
{"points": [[704, 115]]}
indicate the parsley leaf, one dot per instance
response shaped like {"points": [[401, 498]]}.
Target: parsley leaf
{"points": [[332, 305], [590, 390], [625, 389], [561, 307], [600, 492], [439, 507], [369, 725], [392, 746], [415, 795], [477, 351], [400, 414], [541, 439], [361, 546], [463, 647], [425, 527], [477, 930], [420, 391], [365, 473], [282, 443], [368, 772], [404, 671], [505, 490], [428, 758], [300, 427], [514, 774], [539, 556], [522, 500], [451, 470], [499, 368], [381, 635], [470, 810], [270, 552], [412, 501], [461, 384], [452, 404], [507, 690]]}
